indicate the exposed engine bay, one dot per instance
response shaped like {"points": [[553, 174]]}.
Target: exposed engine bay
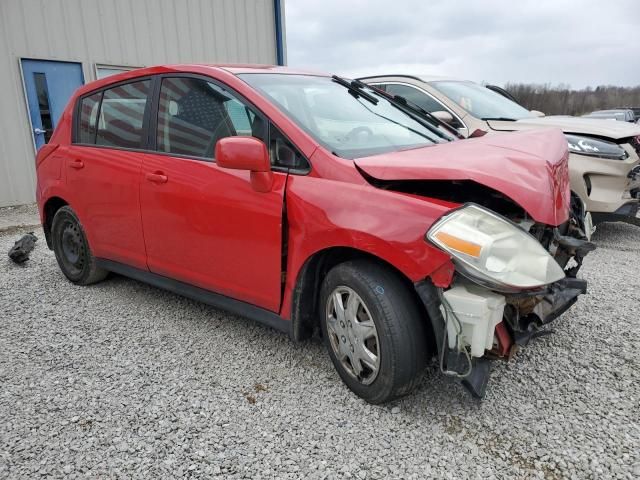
{"points": [[568, 243], [474, 324]]}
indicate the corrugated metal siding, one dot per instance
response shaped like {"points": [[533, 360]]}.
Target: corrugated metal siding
{"points": [[114, 32]]}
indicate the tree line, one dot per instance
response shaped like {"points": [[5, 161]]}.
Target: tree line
{"points": [[563, 100]]}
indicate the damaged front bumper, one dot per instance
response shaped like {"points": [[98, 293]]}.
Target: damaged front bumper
{"points": [[550, 303], [522, 316]]}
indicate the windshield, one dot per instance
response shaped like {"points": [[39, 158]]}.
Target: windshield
{"points": [[481, 102], [347, 123]]}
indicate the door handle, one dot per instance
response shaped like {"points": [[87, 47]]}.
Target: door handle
{"points": [[77, 164], [157, 177], [39, 131]]}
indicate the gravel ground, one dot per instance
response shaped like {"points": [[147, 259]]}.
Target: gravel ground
{"points": [[124, 380], [20, 216]]}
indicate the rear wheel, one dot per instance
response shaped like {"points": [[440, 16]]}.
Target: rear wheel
{"points": [[72, 250], [373, 330]]}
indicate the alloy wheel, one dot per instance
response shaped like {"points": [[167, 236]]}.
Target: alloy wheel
{"points": [[353, 335]]}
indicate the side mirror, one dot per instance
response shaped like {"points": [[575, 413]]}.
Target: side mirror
{"points": [[246, 153], [537, 113], [443, 116]]}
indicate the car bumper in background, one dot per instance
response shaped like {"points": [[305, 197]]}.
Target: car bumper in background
{"points": [[628, 213], [605, 185]]}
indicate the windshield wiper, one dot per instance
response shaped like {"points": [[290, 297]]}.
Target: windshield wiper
{"points": [[416, 109], [355, 87], [499, 119]]}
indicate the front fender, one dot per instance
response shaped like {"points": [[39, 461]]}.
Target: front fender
{"points": [[323, 213]]}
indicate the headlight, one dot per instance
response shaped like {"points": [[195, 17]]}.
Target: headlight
{"points": [[595, 147], [494, 252]]}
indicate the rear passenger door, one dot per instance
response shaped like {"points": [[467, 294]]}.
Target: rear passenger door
{"points": [[204, 225], [103, 169]]}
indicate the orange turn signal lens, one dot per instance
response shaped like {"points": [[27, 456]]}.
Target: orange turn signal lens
{"points": [[459, 245]]}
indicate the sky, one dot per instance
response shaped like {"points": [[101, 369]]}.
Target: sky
{"points": [[575, 42]]}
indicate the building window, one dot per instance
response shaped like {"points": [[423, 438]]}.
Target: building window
{"points": [[42, 90], [103, 71]]}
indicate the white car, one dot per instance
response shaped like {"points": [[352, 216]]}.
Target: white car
{"points": [[604, 160]]}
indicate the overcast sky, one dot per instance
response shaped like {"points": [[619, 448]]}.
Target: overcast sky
{"points": [[576, 42]]}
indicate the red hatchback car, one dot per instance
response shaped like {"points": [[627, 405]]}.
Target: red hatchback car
{"points": [[316, 203]]}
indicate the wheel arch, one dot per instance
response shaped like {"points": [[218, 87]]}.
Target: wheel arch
{"points": [[51, 206], [305, 315]]}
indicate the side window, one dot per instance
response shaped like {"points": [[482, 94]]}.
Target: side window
{"points": [[122, 115], [241, 117], [421, 99], [194, 114], [88, 118], [283, 153]]}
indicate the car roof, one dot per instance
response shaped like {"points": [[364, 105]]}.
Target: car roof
{"points": [[421, 77], [613, 110], [202, 68], [238, 68]]}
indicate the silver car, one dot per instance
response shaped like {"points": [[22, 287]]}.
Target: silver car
{"points": [[621, 115]]}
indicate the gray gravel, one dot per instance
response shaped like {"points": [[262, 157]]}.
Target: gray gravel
{"points": [[19, 216], [124, 380]]}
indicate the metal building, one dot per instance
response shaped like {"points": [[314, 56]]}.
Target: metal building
{"points": [[49, 48]]}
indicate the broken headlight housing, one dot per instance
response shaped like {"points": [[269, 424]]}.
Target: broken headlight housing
{"points": [[595, 147], [490, 250]]}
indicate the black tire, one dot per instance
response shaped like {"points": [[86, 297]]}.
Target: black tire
{"points": [[72, 249], [402, 348]]}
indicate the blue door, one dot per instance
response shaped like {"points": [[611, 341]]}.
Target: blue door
{"points": [[49, 85]]}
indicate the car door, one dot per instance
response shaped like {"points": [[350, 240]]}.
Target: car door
{"points": [[205, 225], [103, 169]]}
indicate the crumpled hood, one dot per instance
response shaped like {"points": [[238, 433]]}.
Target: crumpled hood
{"points": [[531, 168], [586, 126]]}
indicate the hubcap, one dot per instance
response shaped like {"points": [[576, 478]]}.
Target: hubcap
{"points": [[353, 335], [72, 247]]}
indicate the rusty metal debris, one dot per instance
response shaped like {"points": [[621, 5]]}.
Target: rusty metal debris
{"points": [[20, 251]]}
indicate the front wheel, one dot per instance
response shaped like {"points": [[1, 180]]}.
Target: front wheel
{"points": [[373, 330]]}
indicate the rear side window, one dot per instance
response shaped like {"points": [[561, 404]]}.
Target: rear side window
{"points": [[122, 115], [194, 114], [89, 118]]}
